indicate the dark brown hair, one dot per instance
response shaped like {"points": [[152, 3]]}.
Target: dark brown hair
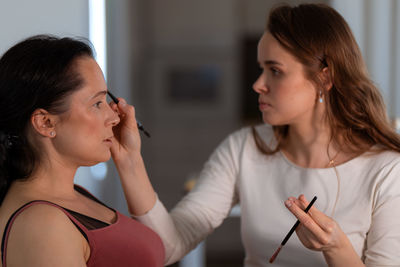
{"points": [[35, 73], [318, 37]]}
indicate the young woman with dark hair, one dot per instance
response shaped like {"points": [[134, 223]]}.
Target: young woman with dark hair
{"points": [[54, 119], [326, 134]]}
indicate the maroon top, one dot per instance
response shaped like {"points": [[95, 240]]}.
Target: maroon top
{"points": [[123, 243]]}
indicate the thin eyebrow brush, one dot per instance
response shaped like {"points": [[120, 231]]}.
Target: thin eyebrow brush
{"points": [[271, 260], [139, 124]]}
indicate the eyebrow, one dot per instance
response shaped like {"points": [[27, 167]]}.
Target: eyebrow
{"points": [[99, 93], [272, 62]]}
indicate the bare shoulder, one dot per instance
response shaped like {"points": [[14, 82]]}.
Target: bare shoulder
{"points": [[39, 216], [47, 237]]}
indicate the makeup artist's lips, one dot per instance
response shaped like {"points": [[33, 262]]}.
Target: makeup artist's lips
{"points": [[263, 106]]}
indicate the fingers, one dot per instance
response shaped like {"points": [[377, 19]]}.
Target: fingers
{"points": [[122, 106], [317, 231], [305, 219], [325, 222], [316, 222], [125, 111], [114, 106]]}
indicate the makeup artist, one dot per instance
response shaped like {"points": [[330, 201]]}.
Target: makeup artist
{"points": [[326, 134], [54, 119]]}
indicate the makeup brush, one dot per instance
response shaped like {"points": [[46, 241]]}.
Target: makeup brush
{"points": [[139, 124], [271, 260]]}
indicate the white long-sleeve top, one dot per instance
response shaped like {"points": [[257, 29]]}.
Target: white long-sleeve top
{"points": [[368, 208]]}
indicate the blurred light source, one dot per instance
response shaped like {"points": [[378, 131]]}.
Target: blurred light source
{"points": [[97, 31], [97, 35], [99, 171]]}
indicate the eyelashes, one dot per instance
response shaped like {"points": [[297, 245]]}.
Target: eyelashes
{"points": [[275, 71], [97, 104]]}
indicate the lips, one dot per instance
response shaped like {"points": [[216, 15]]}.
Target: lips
{"points": [[108, 140], [263, 105]]}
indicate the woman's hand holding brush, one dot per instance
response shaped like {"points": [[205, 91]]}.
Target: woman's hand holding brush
{"points": [[318, 231]]}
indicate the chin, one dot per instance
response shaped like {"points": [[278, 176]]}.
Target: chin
{"points": [[274, 121], [99, 159], [271, 121], [92, 163], [107, 158]]}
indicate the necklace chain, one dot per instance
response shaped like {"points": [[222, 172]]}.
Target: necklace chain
{"points": [[331, 163], [332, 160]]}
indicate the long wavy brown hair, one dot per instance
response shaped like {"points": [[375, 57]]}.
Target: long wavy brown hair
{"points": [[319, 37]]}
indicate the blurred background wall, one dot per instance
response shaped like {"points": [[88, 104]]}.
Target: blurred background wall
{"points": [[188, 67], [22, 18]]}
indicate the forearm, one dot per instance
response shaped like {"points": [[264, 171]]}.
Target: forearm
{"points": [[139, 192], [181, 230], [345, 256]]}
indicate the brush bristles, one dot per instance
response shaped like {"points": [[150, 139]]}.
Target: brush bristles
{"points": [[271, 260]]}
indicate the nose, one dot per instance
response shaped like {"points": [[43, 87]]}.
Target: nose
{"points": [[112, 117], [260, 85]]}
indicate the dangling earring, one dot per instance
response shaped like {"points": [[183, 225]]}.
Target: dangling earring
{"points": [[320, 97]]}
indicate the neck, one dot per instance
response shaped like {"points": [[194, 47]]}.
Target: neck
{"points": [[310, 146], [51, 182]]}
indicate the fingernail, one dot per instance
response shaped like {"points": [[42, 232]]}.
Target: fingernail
{"points": [[288, 203], [123, 103]]}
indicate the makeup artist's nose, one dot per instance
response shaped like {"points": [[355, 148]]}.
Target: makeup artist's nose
{"points": [[260, 85]]}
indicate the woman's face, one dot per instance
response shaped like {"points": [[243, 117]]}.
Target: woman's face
{"points": [[285, 95], [84, 133]]}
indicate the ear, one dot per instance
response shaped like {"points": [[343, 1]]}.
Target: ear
{"points": [[44, 123], [326, 79]]}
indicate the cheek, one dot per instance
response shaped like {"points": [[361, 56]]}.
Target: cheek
{"points": [[84, 127], [92, 122], [92, 127], [299, 92]]}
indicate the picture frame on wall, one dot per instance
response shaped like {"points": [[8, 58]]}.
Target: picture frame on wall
{"points": [[193, 83]]}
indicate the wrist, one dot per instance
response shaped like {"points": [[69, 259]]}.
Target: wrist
{"points": [[342, 255], [129, 162], [342, 245]]}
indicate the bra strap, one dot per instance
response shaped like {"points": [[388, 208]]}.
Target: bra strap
{"points": [[10, 222]]}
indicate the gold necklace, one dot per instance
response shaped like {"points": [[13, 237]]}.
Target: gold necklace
{"points": [[332, 160], [331, 163]]}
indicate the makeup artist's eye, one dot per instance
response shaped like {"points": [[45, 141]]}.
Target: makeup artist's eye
{"points": [[275, 71]]}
